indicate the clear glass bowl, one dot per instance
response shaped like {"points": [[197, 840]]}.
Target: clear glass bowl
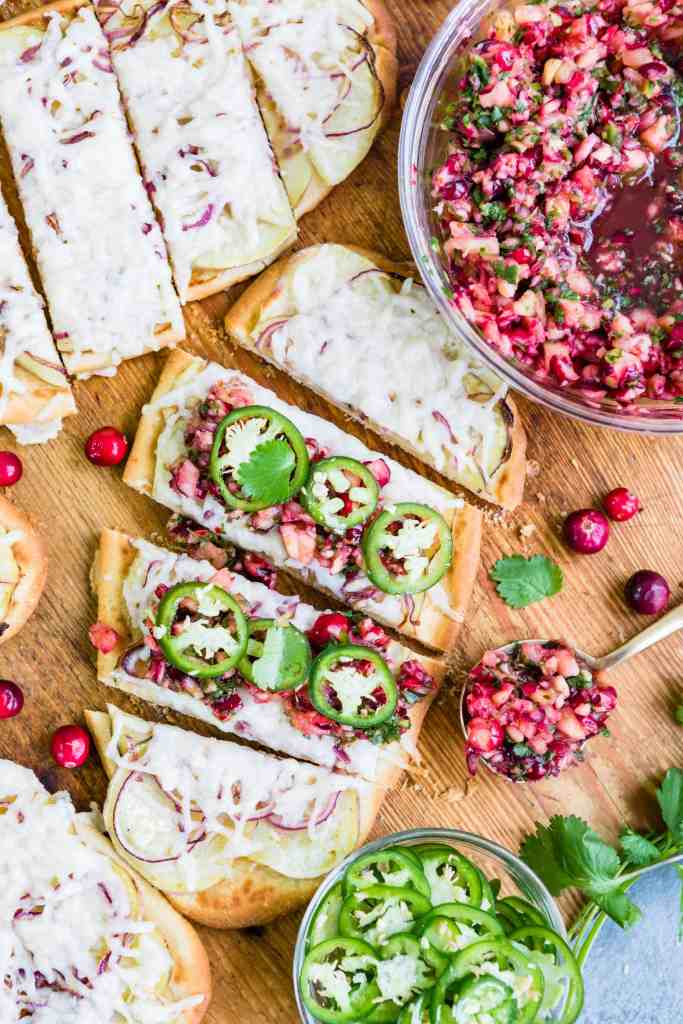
{"points": [[422, 148], [494, 860]]}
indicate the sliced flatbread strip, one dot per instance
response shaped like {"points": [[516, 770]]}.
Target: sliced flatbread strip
{"points": [[80, 930], [433, 616], [128, 575], [23, 569], [363, 333], [34, 390], [99, 249], [206, 156], [259, 831], [326, 74]]}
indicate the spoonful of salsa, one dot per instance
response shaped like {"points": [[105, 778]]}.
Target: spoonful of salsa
{"points": [[529, 708]]}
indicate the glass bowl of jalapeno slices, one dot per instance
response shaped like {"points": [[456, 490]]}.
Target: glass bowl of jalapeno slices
{"points": [[435, 926]]}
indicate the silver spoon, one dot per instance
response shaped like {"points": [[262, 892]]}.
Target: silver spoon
{"points": [[659, 630]]}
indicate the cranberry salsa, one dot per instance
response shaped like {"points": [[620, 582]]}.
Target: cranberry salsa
{"points": [[561, 199], [529, 710]]}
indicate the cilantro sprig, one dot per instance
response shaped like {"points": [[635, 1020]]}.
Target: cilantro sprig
{"points": [[523, 581], [568, 854], [266, 475]]}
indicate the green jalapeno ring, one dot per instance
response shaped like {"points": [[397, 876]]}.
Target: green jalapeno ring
{"points": [[460, 913], [277, 425], [362, 999], [502, 1011], [325, 922], [171, 645], [418, 904], [467, 877], [417, 1011], [332, 520], [319, 684], [538, 937], [372, 862], [476, 955], [375, 540], [295, 656]]}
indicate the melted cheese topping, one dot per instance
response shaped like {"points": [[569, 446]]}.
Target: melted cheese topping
{"points": [[73, 947], [339, 342], [404, 485], [263, 722], [98, 246], [23, 328], [202, 143], [9, 569]]}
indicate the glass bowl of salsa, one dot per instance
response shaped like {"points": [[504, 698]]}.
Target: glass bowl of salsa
{"points": [[541, 182]]}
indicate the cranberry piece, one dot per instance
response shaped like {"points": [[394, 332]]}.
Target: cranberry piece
{"points": [[106, 447], [621, 504], [586, 531], [328, 628], [11, 469], [70, 746], [484, 735], [11, 699], [103, 638], [647, 592], [380, 471]]}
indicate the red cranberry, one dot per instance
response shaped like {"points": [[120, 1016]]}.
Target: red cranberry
{"points": [[11, 699], [106, 447], [11, 469], [586, 531], [621, 504], [329, 628], [647, 592], [103, 638], [484, 735], [70, 746]]}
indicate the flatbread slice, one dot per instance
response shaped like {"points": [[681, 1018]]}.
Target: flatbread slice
{"points": [[99, 250], [158, 465], [360, 331], [325, 74], [262, 830], [130, 575], [34, 390], [207, 160], [23, 569], [80, 927]]}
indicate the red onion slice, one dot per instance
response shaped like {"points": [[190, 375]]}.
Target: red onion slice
{"points": [[203, 220], [118, 835], [278, 822], [266, 335]]}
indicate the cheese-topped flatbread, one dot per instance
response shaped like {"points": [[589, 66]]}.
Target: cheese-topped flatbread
{"points": [[171, 461], [84, 939], [266, 696], [234, 837], [23, 569], [363, 333], [99, 249], [326, 80], [34, 391], [207, 159]]}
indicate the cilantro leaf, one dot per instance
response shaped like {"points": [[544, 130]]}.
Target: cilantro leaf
{"points": [[267, 474], [637, 849], [618, 906], [670, 797], [523, 581], [538, 851]]}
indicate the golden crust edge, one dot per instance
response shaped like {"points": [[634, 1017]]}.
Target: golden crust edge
{"points": [[30, 554]]}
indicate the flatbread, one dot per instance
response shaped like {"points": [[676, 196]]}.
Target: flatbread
{"points": [[244, 323], [436, 626], [30, 554]]}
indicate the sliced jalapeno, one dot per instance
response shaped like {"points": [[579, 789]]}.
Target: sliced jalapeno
{"points": [[278, 655], [325, 923], [340, 690], [196, 622], [415, 974], [526, 912], [258, 458], [340, 493], [380, 911], [546, 948], [385, 867], [489, 1001], [474, 958], [339, 980], [416, 1012], [451, 877], [450, 927], [407, 549]]}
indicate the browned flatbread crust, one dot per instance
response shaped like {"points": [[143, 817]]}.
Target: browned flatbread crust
{"points": [[506, 486], [31, 557], [432, 624], [221, 281], [253, 894], [26, 407], [191, 972]]}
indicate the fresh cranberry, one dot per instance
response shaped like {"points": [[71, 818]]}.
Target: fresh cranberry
{"points": [[11, 699], [70, 746], [103, 638], [106, 447], [586, 531], [621, 504], [647, 592], [328, 628], [484, 735], [11, 469]]}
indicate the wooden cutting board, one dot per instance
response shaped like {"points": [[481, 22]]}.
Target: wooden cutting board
{"points": [[571, 467]]}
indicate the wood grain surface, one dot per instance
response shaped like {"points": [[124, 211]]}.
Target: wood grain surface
{"points": [[571, 467]]}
